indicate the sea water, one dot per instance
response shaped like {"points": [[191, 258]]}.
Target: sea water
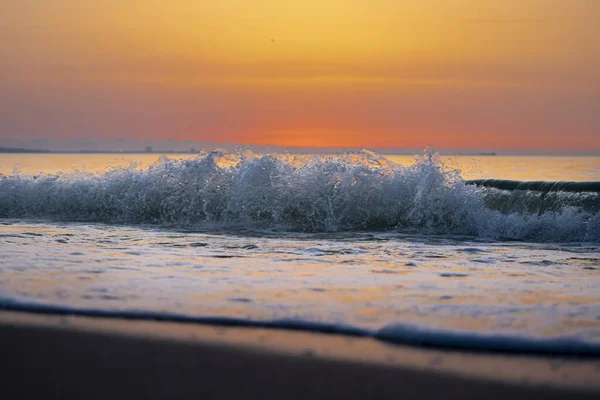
{"points": [[398, 248]]}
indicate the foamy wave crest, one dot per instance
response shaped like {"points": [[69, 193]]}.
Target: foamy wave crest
{"points": [[350, 192]]}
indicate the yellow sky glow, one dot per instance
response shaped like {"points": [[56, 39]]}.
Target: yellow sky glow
{"points": [[480, 73]]}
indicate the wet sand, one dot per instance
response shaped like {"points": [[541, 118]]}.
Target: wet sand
{"points": [[71, 357]]}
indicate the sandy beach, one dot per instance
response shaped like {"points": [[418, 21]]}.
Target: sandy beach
{"points": [[80, 357]]}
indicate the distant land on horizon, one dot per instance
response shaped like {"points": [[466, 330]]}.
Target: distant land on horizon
{"points": [[232, 147], [171, 145]]}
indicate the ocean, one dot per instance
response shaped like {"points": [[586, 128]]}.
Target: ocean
{"points": [[401, 248]]}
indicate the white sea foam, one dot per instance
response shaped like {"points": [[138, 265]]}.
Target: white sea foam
{"points": [[351, 192]]}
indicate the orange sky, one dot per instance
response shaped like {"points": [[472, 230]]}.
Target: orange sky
{"points": [[515, 74]]}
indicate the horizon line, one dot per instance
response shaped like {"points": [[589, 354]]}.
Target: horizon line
{"points": [[198, 148]]}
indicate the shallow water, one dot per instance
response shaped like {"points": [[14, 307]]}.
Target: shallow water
{"points": [[467, 262]]}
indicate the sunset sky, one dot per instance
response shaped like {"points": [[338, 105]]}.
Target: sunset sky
{"points": [[511, 74]]}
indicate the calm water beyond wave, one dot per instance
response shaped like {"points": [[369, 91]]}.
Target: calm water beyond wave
{"points": [[398, 248]]}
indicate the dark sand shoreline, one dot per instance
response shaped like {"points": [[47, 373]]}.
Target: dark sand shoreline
{"points": [[81, 357]]}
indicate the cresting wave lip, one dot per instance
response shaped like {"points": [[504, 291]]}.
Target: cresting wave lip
{"points": [[538, 186], [401, 334], [359, 191]]}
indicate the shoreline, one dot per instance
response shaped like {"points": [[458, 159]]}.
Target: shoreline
{"points": [[93, 357], [396, 335]]}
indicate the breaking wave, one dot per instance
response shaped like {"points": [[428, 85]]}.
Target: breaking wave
{"points": [[350, 192]]}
